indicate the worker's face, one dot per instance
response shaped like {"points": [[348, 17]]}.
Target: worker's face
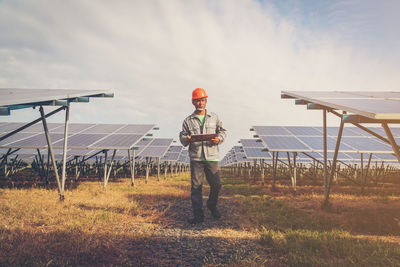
{"points": [[200, 104]]}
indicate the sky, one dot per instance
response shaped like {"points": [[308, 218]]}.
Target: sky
{"points": [[153, 54]]}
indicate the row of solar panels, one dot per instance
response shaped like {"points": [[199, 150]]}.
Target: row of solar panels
{"points": [[309, 140], [374, 105], [88, 139]]}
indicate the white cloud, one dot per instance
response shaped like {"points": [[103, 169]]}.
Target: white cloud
{"points": [[154, 53]]}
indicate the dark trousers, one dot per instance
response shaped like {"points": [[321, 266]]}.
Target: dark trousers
{"points": [[197, 170]]}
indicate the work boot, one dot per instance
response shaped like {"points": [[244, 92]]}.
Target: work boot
{"points": [[198, 217], [214, 212], [196, 220]]}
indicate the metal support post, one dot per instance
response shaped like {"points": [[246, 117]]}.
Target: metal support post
{"points": [[63, 177], [335, 155], [392, 141], [262, 171], [105, 170], [158, 169], [254, 170], [325, 155], [147, 169], [294, 171], [50, 146], [110, 169]]}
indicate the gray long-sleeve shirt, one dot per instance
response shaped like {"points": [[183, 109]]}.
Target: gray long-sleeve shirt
{"points": [[205, 150]]}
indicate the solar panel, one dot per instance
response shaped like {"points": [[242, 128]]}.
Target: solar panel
{"points": [[251, 143], [317, 143], [161, 142], [284, 143], [256, 153], [75, 128], [13, 96], [15, 137], [117, 141], [171, 156], [104, 128], [11, 126], [303, 130], [362, 104], [366, 144], [82, 140], [36, 141], [271, 130], [388, 95], [385, 157], [38, 128], [238, 149], [144, 142], [135, 129], [176, 149], [156, 148]]}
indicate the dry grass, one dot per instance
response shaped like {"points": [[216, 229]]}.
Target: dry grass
{"points": [[360, 229], [89, 227], [122, 226]]}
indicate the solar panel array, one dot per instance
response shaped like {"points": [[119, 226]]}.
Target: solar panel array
{"points": [[83, 139], [374, 105], [173, 153], [309, 139], [235, 155], [14, 96], [155, 147]]}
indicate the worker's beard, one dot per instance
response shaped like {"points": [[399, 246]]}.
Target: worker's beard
{"points": [[199, 109]]}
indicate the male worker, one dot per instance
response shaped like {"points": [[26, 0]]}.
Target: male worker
{"points": [[203, 155]]}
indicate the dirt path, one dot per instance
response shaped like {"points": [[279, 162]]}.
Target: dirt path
{"points": [[223, 242]]}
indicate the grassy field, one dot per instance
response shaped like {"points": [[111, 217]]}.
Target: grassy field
{"points": [[360, 230], [98, 228]]}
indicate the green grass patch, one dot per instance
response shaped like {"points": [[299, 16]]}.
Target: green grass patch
{"points": [[329, 248]]}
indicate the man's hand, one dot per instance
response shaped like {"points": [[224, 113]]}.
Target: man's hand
{"points": [[188, 138], [215, 140]]}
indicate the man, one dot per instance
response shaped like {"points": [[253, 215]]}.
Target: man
{"points": [[203, 155]]}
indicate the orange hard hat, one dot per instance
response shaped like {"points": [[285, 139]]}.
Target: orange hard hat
{"points": [[199, 93]]}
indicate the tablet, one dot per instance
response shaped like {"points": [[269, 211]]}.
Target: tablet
{"points": [[202, 137]]}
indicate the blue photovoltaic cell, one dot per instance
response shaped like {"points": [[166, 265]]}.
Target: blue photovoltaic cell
{"points": [[118, 141], [271, 130], [287, 143], [136, 129], [103, 128], [333, 131], [171, 156], [303, 130], [320, 155], [75, 128], [38, 140], [82, 140], [15, 137], [11, 126], [251, 143], [317, 143], [393, 95], [395, 132], [374, 106], [153, 151], [366, 144], [385, 156], [175, 149], [161, 142], [238, 149], [144, 142], [256, 153], [38, 128]]}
